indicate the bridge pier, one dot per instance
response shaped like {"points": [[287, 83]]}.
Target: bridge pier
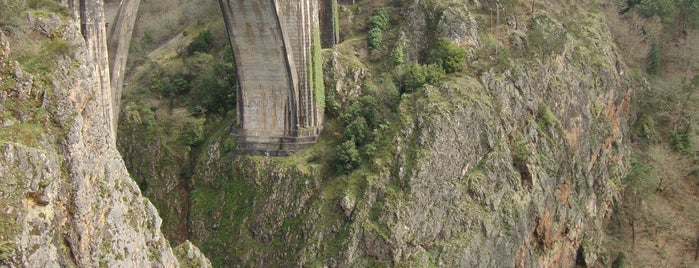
{"points": [[276, 46]]}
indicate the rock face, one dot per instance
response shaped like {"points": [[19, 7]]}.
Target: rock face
{"points": [[511, 168], [67, 198], [277, 51]]}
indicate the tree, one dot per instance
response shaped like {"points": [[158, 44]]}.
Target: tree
{"points": [[378, 23], [347, 156]]}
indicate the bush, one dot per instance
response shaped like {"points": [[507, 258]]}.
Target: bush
{"points": [[416, 76], [59, 46], [193, 131], [202, 43], [398, 56], [654, 59], [378, 23], [347, 156], [50, 5], [619, 261], [682, 142], [640, 179], [369, 110], [645, 129], [449, 55], [545, 36], [356, 131], [374, 37], [380, 19]]}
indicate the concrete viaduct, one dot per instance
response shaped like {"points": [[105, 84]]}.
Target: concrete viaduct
{"points": [[276, 45]]}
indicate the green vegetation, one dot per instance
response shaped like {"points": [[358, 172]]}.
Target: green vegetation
{"points": [[545, 37], [317, 72], [364, 117], [51, 6], [654, 59], [202, 43], [378, 24], [398, 57], [449, 55], [11, 14], [347, 156], [417, 75], [664, 132]]}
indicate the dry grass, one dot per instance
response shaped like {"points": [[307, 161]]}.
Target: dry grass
{"points": [[666, 216]]}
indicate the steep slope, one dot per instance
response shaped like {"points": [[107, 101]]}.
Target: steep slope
{"points": [[67, 197], [515, 164], [515, 159]]}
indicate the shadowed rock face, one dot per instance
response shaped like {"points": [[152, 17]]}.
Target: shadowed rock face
{"points": [[273, 45]]}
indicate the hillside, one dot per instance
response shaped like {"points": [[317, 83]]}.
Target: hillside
{"points": [[480, 133], [67, 197], [455, 136]]}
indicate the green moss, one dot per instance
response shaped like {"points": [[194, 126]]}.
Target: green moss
{"points": [[317, 72], [545, 119], [336, 19], [28, 134]]}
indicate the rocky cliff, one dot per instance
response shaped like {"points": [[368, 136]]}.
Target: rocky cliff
{"points": [[67, 198], [515, 161]]}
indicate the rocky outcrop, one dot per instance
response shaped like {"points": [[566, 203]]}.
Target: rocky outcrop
{"points": [[511, 167], [67, 198]]}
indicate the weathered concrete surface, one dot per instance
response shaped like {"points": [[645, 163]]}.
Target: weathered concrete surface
{"points": [[118, 41], [273, 46], [329, 34], [263, 67]]}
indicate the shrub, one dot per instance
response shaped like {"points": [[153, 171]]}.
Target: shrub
{"points": [[378, 23], [202, 43], [374, 37], [545, 36], [640, 179], [398, 56], [449, 55], [193, 131], [645, 129], [545, 118], [59, 46], [682, 142], [380, 19], [50, 5], [347, 156], [369, 110], [654, 59], [416, 76], [356, 131], [619, 261]]}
